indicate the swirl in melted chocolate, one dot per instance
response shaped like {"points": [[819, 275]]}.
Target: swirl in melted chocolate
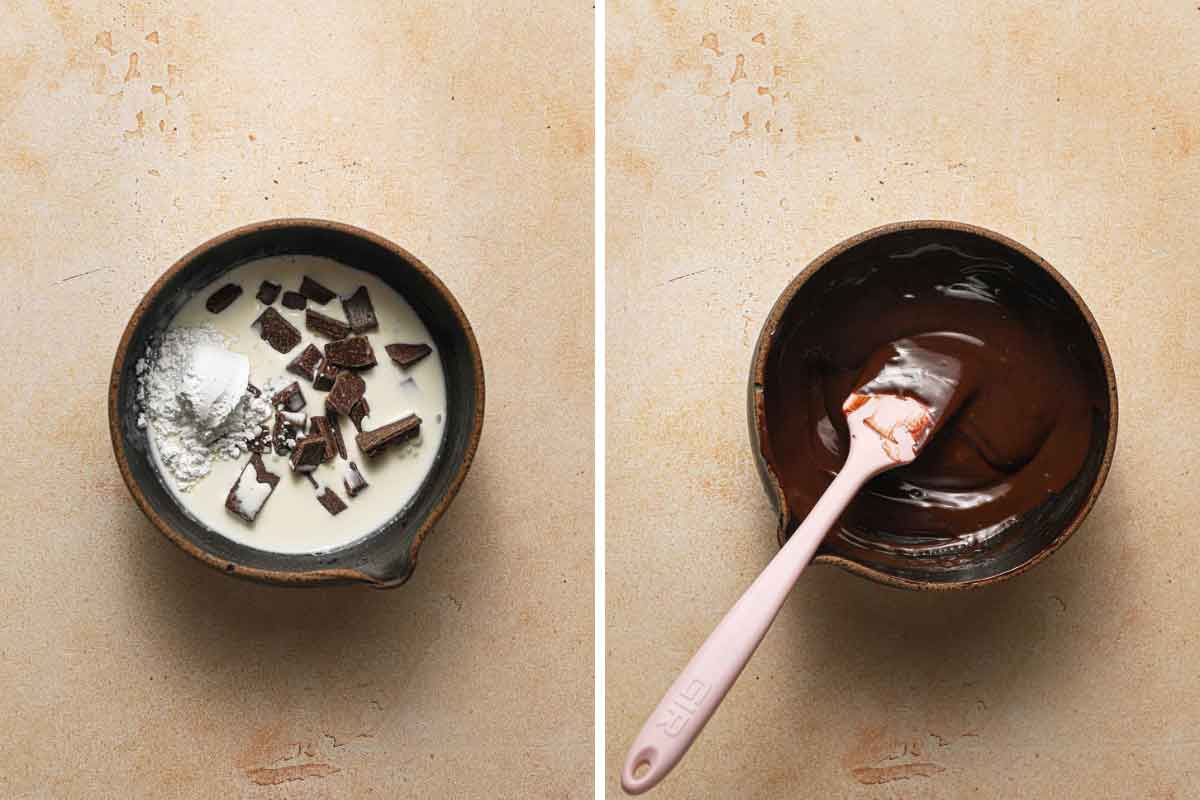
{"points": [[1012, 405]]}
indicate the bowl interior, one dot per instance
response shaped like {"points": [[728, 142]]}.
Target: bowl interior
{"points": [[1037, 532], [387, 555]]}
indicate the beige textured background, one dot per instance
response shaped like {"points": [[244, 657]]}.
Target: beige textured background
{"points": [[735, 158], [131, 131]]}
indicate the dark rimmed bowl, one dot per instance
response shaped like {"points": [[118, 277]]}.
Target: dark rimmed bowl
{"points": [[1040, 531], [385, 557]]}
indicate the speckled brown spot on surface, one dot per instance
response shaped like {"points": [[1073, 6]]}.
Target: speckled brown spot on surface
{"points": [[273, 776], [634, 163], [139, 129], [744, 133], [14, 70], [739, 69], [871, 776], [131, 72], [104, 40]]}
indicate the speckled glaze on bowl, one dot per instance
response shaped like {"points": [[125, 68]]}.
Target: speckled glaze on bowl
{"points": [[1040, 531], [387, 556]]}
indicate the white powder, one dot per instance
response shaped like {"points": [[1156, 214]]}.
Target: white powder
{"points": [[192, 391]]}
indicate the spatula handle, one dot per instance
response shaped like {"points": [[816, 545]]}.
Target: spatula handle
{"points": [[699, 689]]}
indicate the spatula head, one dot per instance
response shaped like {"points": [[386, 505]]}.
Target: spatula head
{"points": [[901, 425]]}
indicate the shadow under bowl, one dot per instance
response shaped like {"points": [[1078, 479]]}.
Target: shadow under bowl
{"points": [[387, 556], [1036, 533]]}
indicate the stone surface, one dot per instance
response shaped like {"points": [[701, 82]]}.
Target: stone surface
{"points": [[1070, 127], [131, 132]]}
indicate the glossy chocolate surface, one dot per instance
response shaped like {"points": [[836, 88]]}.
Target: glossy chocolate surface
{"points": [[999, 351]]}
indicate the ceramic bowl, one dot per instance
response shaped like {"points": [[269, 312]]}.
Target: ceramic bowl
{"points": [[387, 556], [1037, 533]]}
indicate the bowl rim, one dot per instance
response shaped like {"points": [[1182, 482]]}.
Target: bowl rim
{"points": [[758, 427], [289, 577]]}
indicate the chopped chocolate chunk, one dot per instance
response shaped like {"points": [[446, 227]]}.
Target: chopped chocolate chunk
{"points": [[223, 298], [311, 480], [353, 480], [253, 390], [335, 427], [306, 363], [277, 331], [319, 426], [315, 291], [361, 409], [326, 375], [260, 443], [328, 327], [359, 311], [353, 353], [347, 390], [333, 504], [373, 442], [407, 354], [297, 418], [289, 397], [267, 292], [294, 300], [284, 434], [250, 491], [308, 454]]}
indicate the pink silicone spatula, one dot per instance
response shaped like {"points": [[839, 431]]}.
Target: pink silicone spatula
{"points": [[886, 431]]}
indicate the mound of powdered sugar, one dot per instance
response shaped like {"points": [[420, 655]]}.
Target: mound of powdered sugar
{"points": [[184, 391]]}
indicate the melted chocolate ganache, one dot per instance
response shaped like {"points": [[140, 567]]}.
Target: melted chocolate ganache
{"points": [[963, 334]]}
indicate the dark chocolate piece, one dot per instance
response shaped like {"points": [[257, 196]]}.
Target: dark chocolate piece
{"points": [[360, 314], [296, 418], [315, 291], [361, 409], [347, 390], [306, 363], [352, 353], [308, 454], [223, 298], [326, 375], [311, 480], [335, 427], [294, 300], [407, 354], [328, 327], [333, 504], [289, 397], [267, 292], [260, 443], [247, 502], [253, 390], [277, 331], [353, 480], [319, 426], [284, 434], [403, 429]]}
